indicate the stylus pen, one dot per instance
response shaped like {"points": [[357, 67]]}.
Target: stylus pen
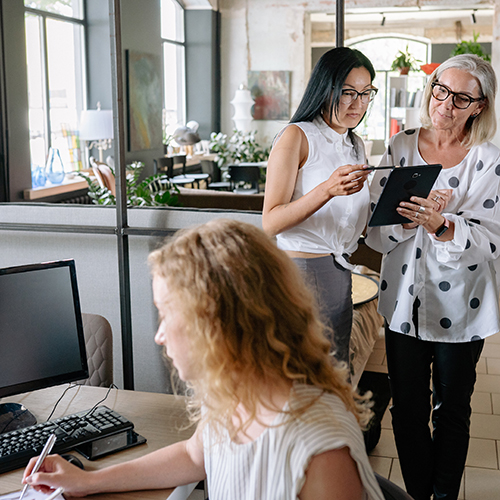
{"points": [[46, 450], [55, 494], [380, 168]]}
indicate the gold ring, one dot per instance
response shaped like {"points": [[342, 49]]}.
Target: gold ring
{"points": [[421, 208]]}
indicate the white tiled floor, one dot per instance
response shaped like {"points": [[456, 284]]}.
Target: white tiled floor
{"points": [[482, 471]]}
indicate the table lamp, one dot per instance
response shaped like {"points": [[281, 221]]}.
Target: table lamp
{"points": [[187, 135], [96, 126]]}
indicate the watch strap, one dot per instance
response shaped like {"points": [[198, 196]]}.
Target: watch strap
{"points": [[442, 229]]}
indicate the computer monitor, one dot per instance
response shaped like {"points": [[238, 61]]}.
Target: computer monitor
{"points": [[41, 333]]}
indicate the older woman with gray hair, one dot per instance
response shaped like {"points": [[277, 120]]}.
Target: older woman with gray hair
{"points": [[438, 291]]}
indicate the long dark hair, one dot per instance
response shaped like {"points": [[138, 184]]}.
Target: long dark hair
{"points": [[324, 89]]}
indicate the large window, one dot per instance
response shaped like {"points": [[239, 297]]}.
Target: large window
{"points": [[174, 96], [55, 67], [382, 51]]}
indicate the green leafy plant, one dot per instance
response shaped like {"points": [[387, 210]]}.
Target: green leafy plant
{"points": [[153, 191], [471, 47], [240, 147], [167, 138], [405, 60]]}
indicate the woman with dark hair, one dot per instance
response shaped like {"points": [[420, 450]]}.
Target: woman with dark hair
{"points": [[438, 290], [316, 199]]}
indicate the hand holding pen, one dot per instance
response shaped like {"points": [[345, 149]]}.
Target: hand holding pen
{"points": [[46, 450]]}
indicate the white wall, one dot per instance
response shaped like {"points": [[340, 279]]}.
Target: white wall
{"points": [[260, 35]]}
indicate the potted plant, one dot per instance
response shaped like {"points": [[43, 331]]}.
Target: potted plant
{"points": [[241, 147], [167, 139], [405, 62], [471, 47], [153, 191]]}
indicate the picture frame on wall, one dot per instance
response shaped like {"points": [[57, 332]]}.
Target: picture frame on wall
{"points": [[144, 100], [271, 93]]}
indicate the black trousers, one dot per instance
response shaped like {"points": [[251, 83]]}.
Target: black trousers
{"points": [[432, 463]]}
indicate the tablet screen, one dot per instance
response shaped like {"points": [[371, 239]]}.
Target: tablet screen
{"points": [[401, 184]]}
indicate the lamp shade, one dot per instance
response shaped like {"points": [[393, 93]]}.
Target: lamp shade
{"points": [[188, 135], [96, 124], [242, 104]]}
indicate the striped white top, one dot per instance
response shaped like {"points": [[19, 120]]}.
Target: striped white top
{"points": [[273, 466]]}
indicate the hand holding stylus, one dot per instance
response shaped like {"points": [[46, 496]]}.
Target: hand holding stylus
{"points": [[46, 450]]}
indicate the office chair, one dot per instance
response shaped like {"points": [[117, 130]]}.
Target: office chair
{"points": [[99, 345], [104, 175], [247, 174], [209, 167], [390, 490]]}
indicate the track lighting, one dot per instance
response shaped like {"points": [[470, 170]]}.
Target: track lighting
{"points": [[473, 16]]}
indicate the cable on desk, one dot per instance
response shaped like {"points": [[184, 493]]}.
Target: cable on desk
{"points": [[51, 413], [70, 386], [89, 413], [12, 420]]}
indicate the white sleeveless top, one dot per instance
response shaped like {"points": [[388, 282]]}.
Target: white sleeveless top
{"points": [[336, 227], [273, 466]]}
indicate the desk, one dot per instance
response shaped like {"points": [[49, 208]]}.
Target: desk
{"points": [[196, 158], [70, 185], [157, 417], [260, 164]]}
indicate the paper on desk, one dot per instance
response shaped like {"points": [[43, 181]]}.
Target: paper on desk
{"points": [[31, 494]]}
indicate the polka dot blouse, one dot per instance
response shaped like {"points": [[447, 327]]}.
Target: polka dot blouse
{"points": [[450, 286]]}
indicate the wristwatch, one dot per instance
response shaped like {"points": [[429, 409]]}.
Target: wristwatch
{"points": [[442, 229]]}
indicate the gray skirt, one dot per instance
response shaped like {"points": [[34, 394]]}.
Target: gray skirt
{"points": [[332, 285]]}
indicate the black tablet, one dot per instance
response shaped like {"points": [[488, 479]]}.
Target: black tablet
{"points": [[401, 184]]}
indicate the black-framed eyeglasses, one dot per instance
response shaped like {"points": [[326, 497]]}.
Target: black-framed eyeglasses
{"points": [[350, 95], [460, 101]]}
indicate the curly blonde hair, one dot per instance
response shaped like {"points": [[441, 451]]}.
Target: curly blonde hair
{"points": [[250, 320]]}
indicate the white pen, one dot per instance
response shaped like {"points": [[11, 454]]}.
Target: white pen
{"points": [[55, 493], [46, 450]]}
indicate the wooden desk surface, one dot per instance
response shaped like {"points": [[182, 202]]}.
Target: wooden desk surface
{"points": [[157, 417]]}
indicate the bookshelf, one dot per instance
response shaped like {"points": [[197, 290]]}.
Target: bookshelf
{"points": [[403, 103]]}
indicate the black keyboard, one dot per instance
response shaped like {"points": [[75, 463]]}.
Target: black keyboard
{"points": [[93, 433]]}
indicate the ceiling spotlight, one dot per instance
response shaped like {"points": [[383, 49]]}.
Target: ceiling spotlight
{"points": [[383, 20], [473, 16]]}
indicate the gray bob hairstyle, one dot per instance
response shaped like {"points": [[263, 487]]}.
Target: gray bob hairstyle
{"points": [[481, 128]]}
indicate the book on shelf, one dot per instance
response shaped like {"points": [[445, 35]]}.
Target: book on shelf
{"points": [[402, 99], [418, 98], [393, 98]]}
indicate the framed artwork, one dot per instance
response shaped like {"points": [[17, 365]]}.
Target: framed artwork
{"points": [[271, 92], [144, 96]]}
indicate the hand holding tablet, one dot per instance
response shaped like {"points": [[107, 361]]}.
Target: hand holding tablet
{"points": [[401, 184]]}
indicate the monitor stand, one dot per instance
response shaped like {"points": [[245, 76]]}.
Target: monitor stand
{"points": [[15, 416]]}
